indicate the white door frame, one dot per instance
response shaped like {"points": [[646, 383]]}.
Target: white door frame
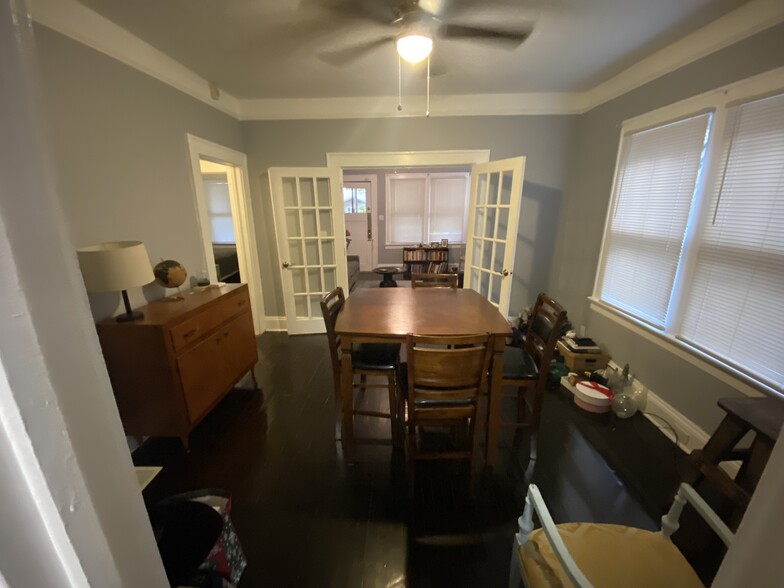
{"points": [[371, 179], [241, 213], [374, 159]]}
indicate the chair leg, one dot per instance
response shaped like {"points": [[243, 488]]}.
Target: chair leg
{"points": [[474, 431], [411, 458], [521, 406], [537, 406]]}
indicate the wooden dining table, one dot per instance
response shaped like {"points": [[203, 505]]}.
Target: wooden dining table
{"points": [[387, 315]]}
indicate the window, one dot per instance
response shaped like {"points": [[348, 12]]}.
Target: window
{"points": [[355, 197], [216, 189], [694, 241], [424, 208]]}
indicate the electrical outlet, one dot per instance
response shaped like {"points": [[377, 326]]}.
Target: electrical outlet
{"points": [[582, 331]]}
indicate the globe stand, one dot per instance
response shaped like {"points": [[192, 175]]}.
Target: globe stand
{"points": [[130, 315]]}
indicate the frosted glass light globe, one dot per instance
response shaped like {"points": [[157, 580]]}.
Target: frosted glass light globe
{"points": [[414, 48]]}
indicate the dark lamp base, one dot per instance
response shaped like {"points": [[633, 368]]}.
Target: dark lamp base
{"points": [[132, 316]]}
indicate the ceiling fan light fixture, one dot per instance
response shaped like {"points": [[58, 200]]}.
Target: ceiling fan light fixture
{"points": [[414, 47]]}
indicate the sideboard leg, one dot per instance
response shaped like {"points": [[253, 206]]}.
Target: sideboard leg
{"points": [[255, 382]]}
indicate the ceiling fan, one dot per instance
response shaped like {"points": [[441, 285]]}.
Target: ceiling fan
{"points": [[415, 24]]}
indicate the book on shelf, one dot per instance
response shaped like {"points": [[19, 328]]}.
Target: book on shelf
{"points": [[437, 268], [581, 345]]}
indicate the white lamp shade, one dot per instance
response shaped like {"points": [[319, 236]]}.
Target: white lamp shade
{"points": [[414, 48], [118, 265]]}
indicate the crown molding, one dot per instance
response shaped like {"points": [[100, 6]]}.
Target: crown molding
{"points": [[743, 22], [78, 22], [413, 106], [86, 26]]}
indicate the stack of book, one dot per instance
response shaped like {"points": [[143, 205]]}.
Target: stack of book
{"points": [[581, 344]]}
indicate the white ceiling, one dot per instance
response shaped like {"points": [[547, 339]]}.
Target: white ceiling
{"points": [[256, 49]]}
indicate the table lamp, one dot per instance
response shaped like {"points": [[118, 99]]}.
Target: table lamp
{"points": [[113, 266]]}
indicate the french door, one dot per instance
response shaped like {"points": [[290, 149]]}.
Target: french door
{"points": [[493, 217], [310, 230]]}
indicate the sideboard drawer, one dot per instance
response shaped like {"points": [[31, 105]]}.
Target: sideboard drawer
{"points": [[194, 328]]}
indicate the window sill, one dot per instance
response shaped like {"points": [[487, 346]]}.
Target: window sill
{"points": [[740, 381]]}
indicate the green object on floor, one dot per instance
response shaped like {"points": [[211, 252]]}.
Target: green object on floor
{"points": [[554, 374]]}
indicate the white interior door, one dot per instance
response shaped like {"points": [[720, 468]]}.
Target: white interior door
{"points": [[359, 206], [310, 230], [493, 217]]}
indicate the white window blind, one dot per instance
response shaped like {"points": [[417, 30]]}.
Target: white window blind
{"points": [[426, 207], [735, 306], [447, 208], [655, 185], [219, 209], [406, 206]]}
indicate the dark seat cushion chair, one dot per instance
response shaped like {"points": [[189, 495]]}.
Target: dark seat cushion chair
{"points": [[518, 364]]}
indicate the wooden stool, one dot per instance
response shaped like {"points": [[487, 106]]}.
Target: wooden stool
{"points": [[764, 416]]}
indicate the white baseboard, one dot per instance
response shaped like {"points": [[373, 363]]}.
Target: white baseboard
{"points": [[666, 418], [276, 323], [689, 435]]}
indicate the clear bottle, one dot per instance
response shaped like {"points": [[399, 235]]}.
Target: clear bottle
{"points": [[203, 279], [623, 404]]}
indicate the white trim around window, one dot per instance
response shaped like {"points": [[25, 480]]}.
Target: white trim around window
{"points": [[708, 188]]}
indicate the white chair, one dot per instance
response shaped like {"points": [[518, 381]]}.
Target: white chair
{"points": [[591, 554]]}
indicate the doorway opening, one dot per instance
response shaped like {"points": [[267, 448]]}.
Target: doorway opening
{"points": [[222, 195], [215, 182], [390, 210]]}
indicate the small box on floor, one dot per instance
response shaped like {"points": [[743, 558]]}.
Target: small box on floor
{"points": [[583, 362]]}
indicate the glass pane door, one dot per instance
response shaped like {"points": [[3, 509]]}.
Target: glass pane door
{"points": [[310, 230], [496, 189]]}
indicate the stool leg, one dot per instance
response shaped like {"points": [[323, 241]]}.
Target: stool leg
{"points": [[393, 408]]}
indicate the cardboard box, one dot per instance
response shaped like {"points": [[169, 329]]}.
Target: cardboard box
{"points": [[583, 362]]}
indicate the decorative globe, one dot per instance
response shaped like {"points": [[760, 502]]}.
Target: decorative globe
{"points": [[170, 273]]}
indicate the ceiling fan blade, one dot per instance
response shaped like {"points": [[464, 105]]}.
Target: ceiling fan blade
{"points": [[511, 37], [346, 55], [375, 10]]}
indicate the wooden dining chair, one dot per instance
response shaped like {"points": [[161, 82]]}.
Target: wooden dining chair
{"points": [[444, 378], [526, 367], [367, 359], [434, 281]]}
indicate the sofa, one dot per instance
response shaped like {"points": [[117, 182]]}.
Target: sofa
{"points": [[352, 261]]}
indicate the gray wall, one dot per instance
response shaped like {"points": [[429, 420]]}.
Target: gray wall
{"points": [[585, 201], [117, 137], [544, 140]]}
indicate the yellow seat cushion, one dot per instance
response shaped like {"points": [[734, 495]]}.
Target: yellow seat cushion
{"points": [[610, 556]]}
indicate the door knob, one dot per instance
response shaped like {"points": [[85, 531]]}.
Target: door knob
{"points": [[505, 273], [286, 264]]}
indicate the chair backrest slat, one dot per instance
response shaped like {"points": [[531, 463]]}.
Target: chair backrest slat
{"points": [[434, 281], [447, 368]]}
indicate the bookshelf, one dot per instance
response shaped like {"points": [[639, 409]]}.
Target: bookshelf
{"points": [[425, 260]]}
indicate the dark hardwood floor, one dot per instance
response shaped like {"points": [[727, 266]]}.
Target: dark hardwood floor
{"points": [[307, 518]]}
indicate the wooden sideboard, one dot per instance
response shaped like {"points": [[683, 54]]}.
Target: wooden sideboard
{"points": [[169, 369]]}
